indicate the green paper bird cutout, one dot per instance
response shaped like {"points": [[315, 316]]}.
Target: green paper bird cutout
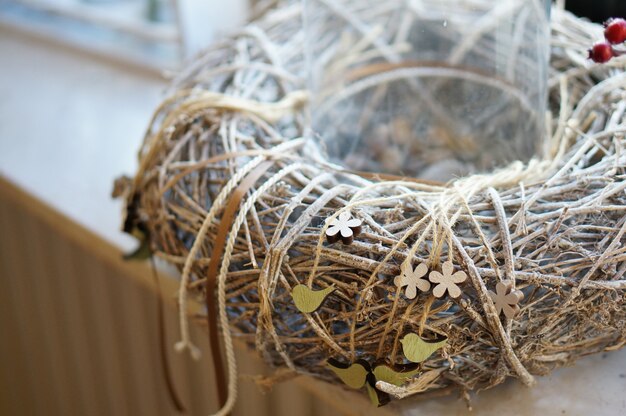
{"points": [[417, 350], [308, 300], [360, 373]]}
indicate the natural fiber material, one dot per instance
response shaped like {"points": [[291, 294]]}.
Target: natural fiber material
{"points": [[554, 227]]}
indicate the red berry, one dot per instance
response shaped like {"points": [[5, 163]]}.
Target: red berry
{"points": [[615, 31], [601, 52]]}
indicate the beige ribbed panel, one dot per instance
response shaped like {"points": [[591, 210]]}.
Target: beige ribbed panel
{"points": [[79, 332]]}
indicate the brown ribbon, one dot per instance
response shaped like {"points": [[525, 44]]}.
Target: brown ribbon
{"points": [[165, 363], [389, 177], [226, 223], [382, 67]]}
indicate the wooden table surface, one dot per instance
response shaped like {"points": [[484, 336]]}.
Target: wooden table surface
{"points": [[70, 124]]}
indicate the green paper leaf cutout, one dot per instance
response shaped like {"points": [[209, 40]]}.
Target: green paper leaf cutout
{"points": [[353, 376], [143, 251], [308, 300], [389, 375], [417, 350], [372, 393], [377, 397], [360, 374]]}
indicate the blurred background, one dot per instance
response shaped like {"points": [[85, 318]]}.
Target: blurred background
{"points": [[154, 33], [597, 11], [160, 34]]}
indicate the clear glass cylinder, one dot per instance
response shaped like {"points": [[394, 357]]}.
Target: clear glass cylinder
{"points": [[427, 88]]}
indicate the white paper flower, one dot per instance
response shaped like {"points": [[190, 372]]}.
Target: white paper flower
{"points": [[447, 281], [505, 299], [343, 227], [412, 279]]}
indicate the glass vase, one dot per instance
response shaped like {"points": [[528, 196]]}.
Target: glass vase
{"points": [[425, 88]]}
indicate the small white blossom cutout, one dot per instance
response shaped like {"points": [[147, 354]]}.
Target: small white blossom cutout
{"points": [[447, 281], [506, 299], [412, 279], [343, 228]]}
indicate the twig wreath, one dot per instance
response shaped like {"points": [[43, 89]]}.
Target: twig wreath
{"points": [[510, 273]]}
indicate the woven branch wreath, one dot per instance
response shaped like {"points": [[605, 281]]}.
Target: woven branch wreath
{"points": [[229, 192]]}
